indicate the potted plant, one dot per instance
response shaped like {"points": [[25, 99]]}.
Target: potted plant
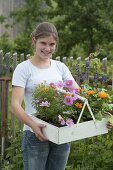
{"points": [[68, 112]]}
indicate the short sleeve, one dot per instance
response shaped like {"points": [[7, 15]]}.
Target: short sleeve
{"points": [[20, 76], [66, 74]]}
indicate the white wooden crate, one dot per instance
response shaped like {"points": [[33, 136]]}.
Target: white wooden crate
{"points": [[60, 135]]}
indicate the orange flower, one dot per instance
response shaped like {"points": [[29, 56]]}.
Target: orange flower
{"points": [[78, 105], [90, 92], [102, 94], [80, 89], [67, 94]]}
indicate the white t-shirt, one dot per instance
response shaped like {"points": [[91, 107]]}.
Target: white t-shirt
{"points": [[27, 75]]}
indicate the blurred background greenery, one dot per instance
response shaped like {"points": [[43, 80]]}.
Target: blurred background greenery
{"points": [[83, 26]]}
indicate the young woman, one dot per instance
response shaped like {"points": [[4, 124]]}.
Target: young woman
{"points": [[38, 152]]}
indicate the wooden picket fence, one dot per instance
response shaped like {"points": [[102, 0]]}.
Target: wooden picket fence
{"points": [[8, 62]]}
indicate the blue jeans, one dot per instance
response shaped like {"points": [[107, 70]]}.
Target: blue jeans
{"points": [[45, 155]]}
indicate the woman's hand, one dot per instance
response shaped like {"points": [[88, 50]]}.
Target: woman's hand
{"points": [[37, 129]]}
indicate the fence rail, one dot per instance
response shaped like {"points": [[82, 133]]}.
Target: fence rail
{"points": [[9, 61]]}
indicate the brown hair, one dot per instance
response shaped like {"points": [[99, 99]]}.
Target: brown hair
{"points": [[45, 29]]}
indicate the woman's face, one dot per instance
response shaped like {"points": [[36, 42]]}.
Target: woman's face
{"points": [[45, 47]]}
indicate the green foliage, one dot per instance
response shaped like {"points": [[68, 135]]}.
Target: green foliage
{"points": [[23, 44], [6, 44], [13, 158], [28, 15], [87, 154], [2, 19], [50, 99], [92, 154], [84, 23], [31, 13], [97, 97]]}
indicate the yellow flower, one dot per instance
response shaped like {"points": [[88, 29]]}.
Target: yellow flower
{"points": [[78, 105], [90, 92], [102, 94], [45, 89]]}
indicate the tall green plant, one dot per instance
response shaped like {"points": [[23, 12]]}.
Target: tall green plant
{"points": [[92, 154], [6, 43], [13, 158]]}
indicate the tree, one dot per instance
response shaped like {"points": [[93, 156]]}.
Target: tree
{"points": [[84, 23], [31, 13]]}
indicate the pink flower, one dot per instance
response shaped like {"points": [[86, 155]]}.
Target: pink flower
{"points": [[69, 122], [60, 84], [45, 104], [68, 83], [62, 121], [52, 85], [68, 100], [74, 96], [73, 90]]}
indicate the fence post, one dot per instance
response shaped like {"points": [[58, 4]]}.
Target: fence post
{"points": [[12, 115], [21, 57], [64, 60], [27, 56], [86, 68], [4, 84], [58, 58], [5, 81], [112, 79], [77, 68], [71, 61], [14, 60], [104, 65], [7, 61], [1, 58]]}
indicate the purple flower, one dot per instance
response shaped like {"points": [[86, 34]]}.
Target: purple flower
{"points": [[104, 78], [73, 90], [87, 63], [69, 122], [62, 121], [68, 100], [52, 84], [59, 84], [96, 76], [68, 83], [84, 75], [45, 104], [74, 96], [86, 66]]}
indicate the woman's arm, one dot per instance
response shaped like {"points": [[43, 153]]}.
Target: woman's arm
{"points": [[16, 102], [75, 85]]}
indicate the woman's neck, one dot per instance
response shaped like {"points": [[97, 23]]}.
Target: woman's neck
{"points": [[40, 63]]}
